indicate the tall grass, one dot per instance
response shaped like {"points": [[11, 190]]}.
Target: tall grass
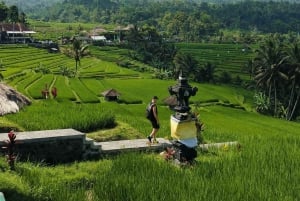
{"points": [[259, 171], [63, 88], [49, 114], [264, 167], [36, 88], [83, 93], [226, 57]]}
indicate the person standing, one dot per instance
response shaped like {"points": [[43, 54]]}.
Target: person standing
{"points": [[153, 118]]}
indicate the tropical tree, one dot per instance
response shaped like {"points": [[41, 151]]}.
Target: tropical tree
{"points": [[3, 11], [13, 14], [206, 73], [134, 37], [22, 18], [294, 76], [262, 104], [269, 64], [149, 47], [186, 64], [78, 50]]}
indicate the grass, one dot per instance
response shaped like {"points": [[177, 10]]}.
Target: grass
{"points": [[54, 30], [34, 90], [83, 93], [265, 167], [50, 114], [226, 57]]}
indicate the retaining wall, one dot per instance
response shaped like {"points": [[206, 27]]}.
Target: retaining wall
{"points": [[50, 146]]}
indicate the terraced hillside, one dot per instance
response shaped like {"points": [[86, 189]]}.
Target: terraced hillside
{"points": [[232, 58], [31, 70]]}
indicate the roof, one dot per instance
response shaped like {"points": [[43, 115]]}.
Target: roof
{"points": [[17, 28], [98, 30], [13, 27], [127, 28], [110, 92], [98, 38]]}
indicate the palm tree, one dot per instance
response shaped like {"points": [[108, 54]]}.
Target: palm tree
{"points": [[134, 37], [185, 63], [209, 70], [78, 50], [268, 67], [294, 76]]}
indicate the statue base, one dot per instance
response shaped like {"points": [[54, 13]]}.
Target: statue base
{"points": [[185, 131]]}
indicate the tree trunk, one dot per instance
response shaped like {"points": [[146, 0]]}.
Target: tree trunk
{"points": [[275, 98], [295, 105], [288, 117]]}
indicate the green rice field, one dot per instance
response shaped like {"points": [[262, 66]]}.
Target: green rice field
{"points": [[263, 167]]}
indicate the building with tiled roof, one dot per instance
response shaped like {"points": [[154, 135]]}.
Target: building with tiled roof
{"points": [[15, 33]]}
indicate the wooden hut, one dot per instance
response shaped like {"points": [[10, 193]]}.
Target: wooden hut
{"points": [[111, 95]]}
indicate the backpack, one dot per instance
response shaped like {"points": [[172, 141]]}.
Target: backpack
{"points": [[148, 111]]}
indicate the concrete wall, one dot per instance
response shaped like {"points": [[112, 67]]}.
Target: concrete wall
{"points": [[49, 146]]}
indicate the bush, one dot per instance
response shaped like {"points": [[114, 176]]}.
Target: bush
{"points": [[82, 117]]}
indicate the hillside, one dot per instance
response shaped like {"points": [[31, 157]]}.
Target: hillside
{"points": [[29, 5], [263, 167]]}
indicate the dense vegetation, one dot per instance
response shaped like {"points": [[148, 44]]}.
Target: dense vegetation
{"points": [[264, 165], [188, 21], [263, 168], [193, 21]]}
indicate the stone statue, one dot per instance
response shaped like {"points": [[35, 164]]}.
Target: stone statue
{"points": [[183, 91]]}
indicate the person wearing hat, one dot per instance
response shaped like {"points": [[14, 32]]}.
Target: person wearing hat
{"points": [[153, 118]]}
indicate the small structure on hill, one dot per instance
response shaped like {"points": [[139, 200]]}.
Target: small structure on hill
{"points": [[15, 33], [11, 101], [98, 38], [111, 95]]}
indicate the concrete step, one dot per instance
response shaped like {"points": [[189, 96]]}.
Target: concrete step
{"points": [[130, 145]]}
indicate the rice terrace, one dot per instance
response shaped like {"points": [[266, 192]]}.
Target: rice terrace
{"points": [[251, 113]]}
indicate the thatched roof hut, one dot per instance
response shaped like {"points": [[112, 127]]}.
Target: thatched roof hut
{"points": [[11, 101], [111, 94]]}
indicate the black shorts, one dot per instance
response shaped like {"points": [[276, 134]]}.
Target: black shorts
{"points": [[154, 124]]}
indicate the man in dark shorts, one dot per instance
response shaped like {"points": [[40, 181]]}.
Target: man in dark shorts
{"points": [[153, 118]]}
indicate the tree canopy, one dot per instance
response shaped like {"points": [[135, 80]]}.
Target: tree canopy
{"points": [[188, 20]]}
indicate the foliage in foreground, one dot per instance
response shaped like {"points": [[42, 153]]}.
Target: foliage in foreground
{"points": [[265, 168], [49, 114]]}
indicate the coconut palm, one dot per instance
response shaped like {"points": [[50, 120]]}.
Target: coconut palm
{"points": [[294, 76], [268, 65], [184, 63], [134, 37], [78, 50]]}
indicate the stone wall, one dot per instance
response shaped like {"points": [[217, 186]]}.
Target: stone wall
{"points": [[49, 146]]}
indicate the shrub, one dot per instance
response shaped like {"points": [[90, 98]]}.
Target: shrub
{"points": [[46, 115]]}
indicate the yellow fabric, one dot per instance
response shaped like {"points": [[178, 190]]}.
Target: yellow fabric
{"points": [[183, 129]]}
